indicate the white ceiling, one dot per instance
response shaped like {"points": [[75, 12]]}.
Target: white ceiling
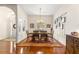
{"points": [[46, 9]]}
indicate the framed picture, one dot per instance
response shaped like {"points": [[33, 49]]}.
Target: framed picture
{"points": [[59, 19], [62, 26], [24, 28], [59, 24], [31, 25], [64, 19], [48, 25]]}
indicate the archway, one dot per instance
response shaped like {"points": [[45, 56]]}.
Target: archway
{"points": [[7, 23], [7, 29]]}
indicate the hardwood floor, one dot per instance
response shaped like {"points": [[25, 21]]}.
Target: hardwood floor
{"points": [[34, 49], [6, 47]]}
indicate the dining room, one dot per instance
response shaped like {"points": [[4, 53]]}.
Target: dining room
{"points": [[36, 30]]}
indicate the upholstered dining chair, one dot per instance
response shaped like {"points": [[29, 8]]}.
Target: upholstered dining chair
{"points": [[35, 37]]}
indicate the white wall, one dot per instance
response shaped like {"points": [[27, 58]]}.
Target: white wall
{"points": [[72, 21], [3, 25], [47, 19], [5, 18], [22, 22]]}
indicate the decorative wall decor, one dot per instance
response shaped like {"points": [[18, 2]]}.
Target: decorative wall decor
{"points": [[24, 28], [60, 21], [57, 20], [24, 25], [62, 26], [48, 25], [59, 24], [14, 26], [40, 25], [64, 19], [31, 25]]}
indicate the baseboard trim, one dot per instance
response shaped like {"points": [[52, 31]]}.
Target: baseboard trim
{"points": [[21, 41], [60, 43]]}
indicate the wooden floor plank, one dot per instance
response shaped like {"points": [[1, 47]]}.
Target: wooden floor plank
{"points": [[5, 47]]}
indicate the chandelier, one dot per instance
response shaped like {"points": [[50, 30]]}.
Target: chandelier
{"points": [[40, 20]]}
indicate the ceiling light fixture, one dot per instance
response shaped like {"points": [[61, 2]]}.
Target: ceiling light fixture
{"points": [[40, 17]]}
